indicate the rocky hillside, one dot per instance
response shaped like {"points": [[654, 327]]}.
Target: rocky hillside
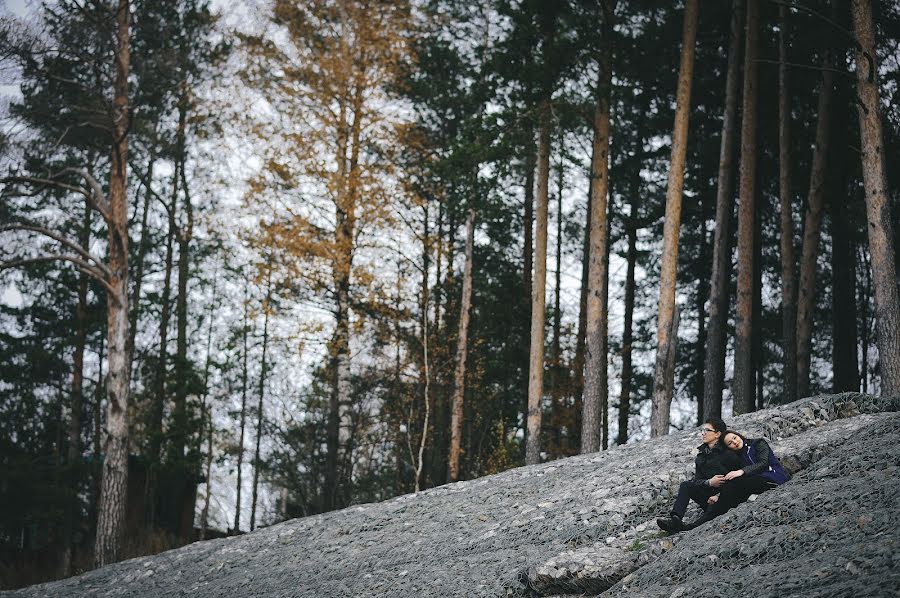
{"points": [[582, 526]]}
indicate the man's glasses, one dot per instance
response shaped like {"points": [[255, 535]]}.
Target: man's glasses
{"points": [[706, 430]]}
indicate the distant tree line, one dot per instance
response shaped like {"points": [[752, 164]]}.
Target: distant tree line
{"points": [[299, 255]]}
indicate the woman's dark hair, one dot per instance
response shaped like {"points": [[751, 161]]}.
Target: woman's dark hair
{"points": [[718, 425], [738, 434]]}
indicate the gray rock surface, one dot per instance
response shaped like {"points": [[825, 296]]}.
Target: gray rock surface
{"points": [[587, 521]]}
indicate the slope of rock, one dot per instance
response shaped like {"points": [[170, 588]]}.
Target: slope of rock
{"points": [[493, 536]]}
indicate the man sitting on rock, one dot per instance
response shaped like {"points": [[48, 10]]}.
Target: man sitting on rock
{"points": [[712, 463]]}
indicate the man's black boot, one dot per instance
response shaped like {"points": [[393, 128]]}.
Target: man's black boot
{"points": [[671, 524]]}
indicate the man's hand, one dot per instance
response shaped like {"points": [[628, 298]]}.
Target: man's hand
{"points": [[734, 474], [712, 500], [717, 480]]}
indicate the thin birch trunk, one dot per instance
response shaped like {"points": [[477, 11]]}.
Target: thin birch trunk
{"points": [[721, 266], [459, 377], [743, 350], [206, 409], [878, 207], [659, 409], [424, 438], [185, 234], [262, 393], [244, 377], [111, 515]]}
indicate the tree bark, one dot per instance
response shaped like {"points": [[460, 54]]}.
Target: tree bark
{"points": [[843, 282], [659, 409], [111, 515], [240, 456], [627, 333], [459, 376], [743, 351], [267, 308], [528, 224], [721, 266], [141, 255], [864, 299], [538, 294], [557, 420], [581, 333], [702, 290], [155, 429], [185, 234], [73, 455], [878, 212], [206, 410], [788, 284], [673, 352], [595, 376], [812, 229]]}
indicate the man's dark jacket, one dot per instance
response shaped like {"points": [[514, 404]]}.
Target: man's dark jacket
{"points": [[714, 461]]}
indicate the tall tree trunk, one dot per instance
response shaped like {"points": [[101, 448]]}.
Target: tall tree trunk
{"points": [[155, 429], [843, 281], [721, 266], [426, 375], [262, 393], [459, 377], [788, 284], [240, 456], [598, 264], [864, 299], [878, 210], [528, 224], [659, 409], [702, 291], [557, 424], [673, 352], [73, 455], [812, 229], [143, 245], [538, 294], [603, 373], [96, 449], [206, 410], [111, 515], [627, 333], [581, 333], [756, 342], [185, 234], [345, 212], [743, 342]]}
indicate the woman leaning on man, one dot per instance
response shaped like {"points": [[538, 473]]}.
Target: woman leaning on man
{"points": [[750, 467]]}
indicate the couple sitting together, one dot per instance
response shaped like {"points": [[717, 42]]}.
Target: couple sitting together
{"points": [[729, 468]]}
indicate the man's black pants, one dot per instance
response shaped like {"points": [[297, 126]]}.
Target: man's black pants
{"points": [[691, 490]]}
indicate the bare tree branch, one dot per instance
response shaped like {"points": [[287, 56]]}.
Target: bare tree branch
{"points": [[100, 265], [79, 263]]}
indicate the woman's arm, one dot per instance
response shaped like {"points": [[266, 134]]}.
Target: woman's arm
{"points": [[763, 451]]}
